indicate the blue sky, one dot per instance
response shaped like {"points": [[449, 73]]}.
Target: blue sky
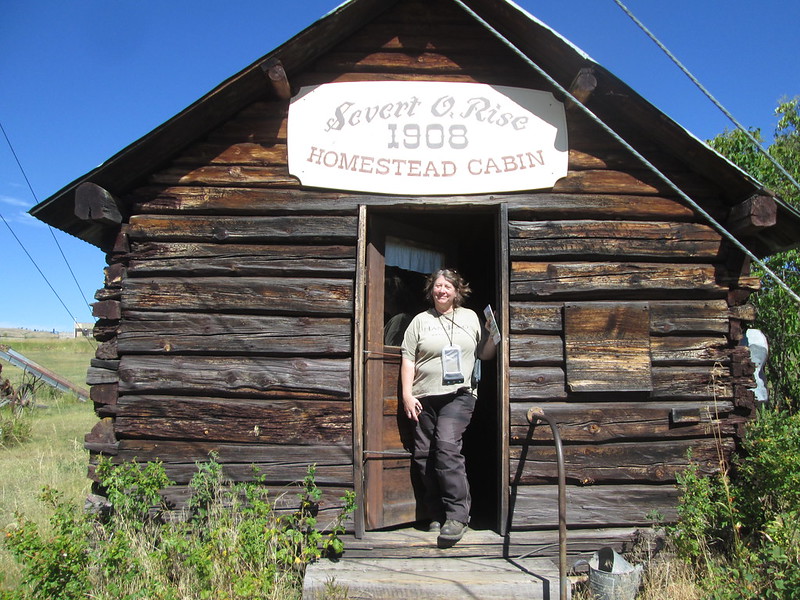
{"points": [[80, 80]]}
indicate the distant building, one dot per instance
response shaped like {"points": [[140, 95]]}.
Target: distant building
{"points": [[83, 329]]}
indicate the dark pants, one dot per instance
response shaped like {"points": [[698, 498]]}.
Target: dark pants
{"points": [[438, 458]]}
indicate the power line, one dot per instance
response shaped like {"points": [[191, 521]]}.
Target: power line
{"points": [[708, 95], [52, 233]]}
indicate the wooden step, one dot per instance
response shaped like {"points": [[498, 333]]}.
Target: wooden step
{"points": [[432, 579]]}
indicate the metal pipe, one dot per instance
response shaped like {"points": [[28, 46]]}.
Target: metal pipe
{"points": [[537, 413]]}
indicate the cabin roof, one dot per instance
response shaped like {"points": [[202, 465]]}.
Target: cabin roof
{"points": [[614, 102]]}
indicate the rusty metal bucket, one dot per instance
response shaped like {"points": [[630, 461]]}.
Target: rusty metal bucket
{"points": [[611, 577]]}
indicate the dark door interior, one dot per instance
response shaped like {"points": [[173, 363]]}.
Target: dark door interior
{"points": [[465, 240]]}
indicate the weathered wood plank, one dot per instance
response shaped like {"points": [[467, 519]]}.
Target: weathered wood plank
{"points": [[196, 228], [154, 258], [302, 296], [631, 239], [528, 317], [536, 350], [689, 350], [649, 461], [622, 279], [424, 62], [683, 316], [236, 376], [537, 382], [307, 430], [607, 346], [230, 175], [597, 422], [535, 507], [176, 451], [531, 206], [669, 383], [187, 333], [666, 316], [284, 500]]}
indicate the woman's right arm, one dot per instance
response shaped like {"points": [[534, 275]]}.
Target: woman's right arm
{"points": [[411, 406]]}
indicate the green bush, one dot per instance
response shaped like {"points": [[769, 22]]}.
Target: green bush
{"points": [[232, 543], [740, 529], [15, 428]]}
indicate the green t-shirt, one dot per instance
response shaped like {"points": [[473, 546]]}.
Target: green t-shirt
{"points": [[426, 336]]}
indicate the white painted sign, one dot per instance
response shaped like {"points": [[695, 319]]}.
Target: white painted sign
{"points": [[426, 138]]}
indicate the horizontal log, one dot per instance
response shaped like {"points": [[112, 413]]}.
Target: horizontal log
{"points": [[188, 333], [529, 317], [535, 507], [597, 422], [688, 350], [669, 383], [630, 239], [537, 382], [226, 175], [533, 206], [424, 62], [302, 296], [236, 376], [666, 316], [174, 451], [175, 258], [683, 316], [99, 375], [623, 280], [549, 350], [242, 153], [194, 228], [284, 500], [339, 475], [228, 430], [536, 350], [248, 431], [647, 461]]}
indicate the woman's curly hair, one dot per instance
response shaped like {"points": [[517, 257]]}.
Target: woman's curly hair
{"points": [[454, 277]]}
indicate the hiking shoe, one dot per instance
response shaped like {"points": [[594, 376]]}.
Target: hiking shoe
{"points": [[435, 527], [452, 530]]}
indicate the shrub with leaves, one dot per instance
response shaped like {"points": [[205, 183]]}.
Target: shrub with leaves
{"points": [[233, 543], [742, 529]]}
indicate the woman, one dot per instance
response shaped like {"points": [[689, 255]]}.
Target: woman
{"points": [[438, 355]]}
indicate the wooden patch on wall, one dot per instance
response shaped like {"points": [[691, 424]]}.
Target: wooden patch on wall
{"points": [[608, 346]]}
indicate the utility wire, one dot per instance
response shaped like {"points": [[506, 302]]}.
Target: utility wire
{"points": [[708, 95], [36, 199], [25, 250], [632, 150]]}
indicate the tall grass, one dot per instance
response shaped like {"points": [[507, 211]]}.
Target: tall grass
{"points": [[53, 455]]}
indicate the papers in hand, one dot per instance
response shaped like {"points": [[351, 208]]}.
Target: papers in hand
{"points": [[491, 322]]}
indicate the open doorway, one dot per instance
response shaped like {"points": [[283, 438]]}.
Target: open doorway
{"points": [[403, 247]]}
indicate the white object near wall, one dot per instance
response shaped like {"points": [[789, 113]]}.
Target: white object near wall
{"points": [[759, 351], [426, 138]]}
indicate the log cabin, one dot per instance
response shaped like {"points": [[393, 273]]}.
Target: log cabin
{"points": [[259, 242]]}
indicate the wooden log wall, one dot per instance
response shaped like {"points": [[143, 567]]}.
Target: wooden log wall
{"points": [[226, 319], [623, 448]]}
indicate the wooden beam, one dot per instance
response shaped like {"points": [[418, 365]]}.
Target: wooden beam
{"points": [[582, 86], [96, 204], [276, 76], [753, 215]]}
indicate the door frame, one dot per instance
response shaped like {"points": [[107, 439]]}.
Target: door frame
{"points": [[499, 211]]}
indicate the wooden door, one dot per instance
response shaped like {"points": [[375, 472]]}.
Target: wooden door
{"points": [[470, 242], [388, 434]]}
